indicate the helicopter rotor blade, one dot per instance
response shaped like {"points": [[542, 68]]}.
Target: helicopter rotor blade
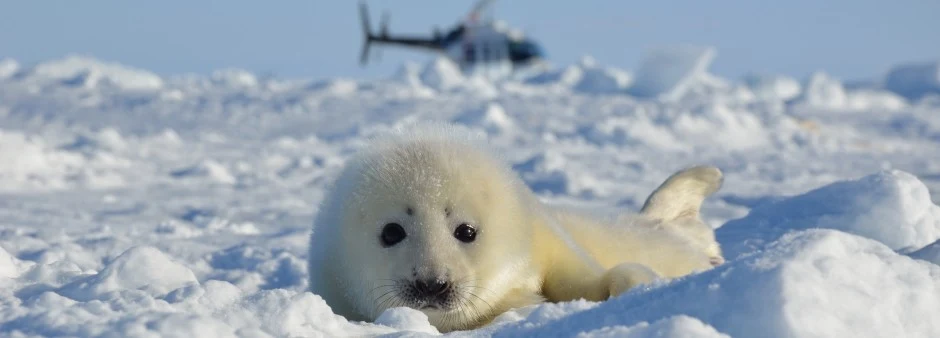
{"points": [[476, 11], [383, 25]]}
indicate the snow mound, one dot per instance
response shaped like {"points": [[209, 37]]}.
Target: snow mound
{"points": [[283, 313], [585, 77], [930, 253], [732, 128], [27, 162], [139, 268], [892, 207], [773, 87], [10, 267], [89, 72], [335, 87], [810, 283], [442, 73], [668, 73], [596, 79], [409, 74], [566, 77], [406, 319], [544, 173], [234, 78], [675, 326], [210, 169], [8, 67], [492, 118], [825, 92], [914, 81], [710, 123]]}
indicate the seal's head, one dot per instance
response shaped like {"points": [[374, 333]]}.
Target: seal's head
{"points": [[422, 222]]}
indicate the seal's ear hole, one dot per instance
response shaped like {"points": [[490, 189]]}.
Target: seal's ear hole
{"points": [[465, 233], [392, 233]]}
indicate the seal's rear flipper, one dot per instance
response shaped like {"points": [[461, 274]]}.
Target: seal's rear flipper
{"points": [[682, 194]]}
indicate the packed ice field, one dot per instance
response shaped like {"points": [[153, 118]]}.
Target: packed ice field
{"points": [[138, 205]]}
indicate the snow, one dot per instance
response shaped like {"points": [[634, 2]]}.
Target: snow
{"points": [[406, 319], [77, 70], [492, 118], [773, 87], [138, 205], [815, 283], [596, 79], [891, 207], [8, 67], [587, 77], [826, 92], [139, 268]]}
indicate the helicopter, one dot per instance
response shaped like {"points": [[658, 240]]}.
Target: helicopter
{"points": [[479, 46]]}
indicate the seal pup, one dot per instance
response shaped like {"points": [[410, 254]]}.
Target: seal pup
{"points": [[431, 220]]}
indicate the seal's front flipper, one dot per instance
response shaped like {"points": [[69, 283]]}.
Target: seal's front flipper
{"points": [[682, 194], [626, 276]]}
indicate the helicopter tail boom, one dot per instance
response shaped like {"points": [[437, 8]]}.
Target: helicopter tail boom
{"points": [[383, 37]]}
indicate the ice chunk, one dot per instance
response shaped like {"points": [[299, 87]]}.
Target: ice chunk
{"points": [[892, 207], [139, 268], [915, 80], [930, 253], [667, 73]]}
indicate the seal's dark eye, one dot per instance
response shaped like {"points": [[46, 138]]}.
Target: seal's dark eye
{"points": [[465, 233], [392, 233]]}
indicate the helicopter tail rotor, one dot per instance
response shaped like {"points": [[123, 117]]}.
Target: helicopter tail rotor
{"points": [[367, 33]]}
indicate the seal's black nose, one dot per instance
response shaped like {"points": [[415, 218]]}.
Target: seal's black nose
{"points": [[431, 287]]}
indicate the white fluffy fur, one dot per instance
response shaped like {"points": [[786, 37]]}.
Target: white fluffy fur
{"points": [[525, 252]]}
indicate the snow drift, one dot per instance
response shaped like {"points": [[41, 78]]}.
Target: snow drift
{"points": [[140, 205]]}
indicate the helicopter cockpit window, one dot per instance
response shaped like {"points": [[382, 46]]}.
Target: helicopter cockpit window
{"points": [[523, 50], [454, 34]]}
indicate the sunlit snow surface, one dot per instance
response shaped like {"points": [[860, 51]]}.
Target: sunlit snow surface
{"points": [[137, 205]]}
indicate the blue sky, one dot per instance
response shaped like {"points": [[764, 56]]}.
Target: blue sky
{"points": [[318, 38]]}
